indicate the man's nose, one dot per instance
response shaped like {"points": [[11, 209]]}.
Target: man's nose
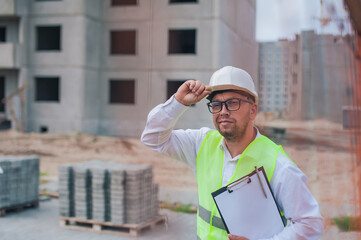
{"points": [[224, 109]]}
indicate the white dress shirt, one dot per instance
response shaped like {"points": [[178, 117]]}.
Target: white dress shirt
{"points": [[288, 182]]}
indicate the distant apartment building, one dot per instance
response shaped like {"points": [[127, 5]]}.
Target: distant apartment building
{"points": [[306, 78], [99, 66], [273, 76]]}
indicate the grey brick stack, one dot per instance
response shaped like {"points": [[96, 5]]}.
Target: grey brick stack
{"points": [[117, 192], [108, 192], [19, 183], [66, 191], [83, 192], [138, 193], [101, 194]]}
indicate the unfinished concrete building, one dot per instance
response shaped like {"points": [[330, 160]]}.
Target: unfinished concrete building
{"points": [[99, 66]]}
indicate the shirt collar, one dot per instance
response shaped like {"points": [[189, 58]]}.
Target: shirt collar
{"points": [[224, 148]]}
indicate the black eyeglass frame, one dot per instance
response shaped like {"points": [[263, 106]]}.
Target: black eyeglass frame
{"points": [[225, 103]]}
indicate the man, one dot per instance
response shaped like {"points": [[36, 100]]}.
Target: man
{"points": [[222, 156]]}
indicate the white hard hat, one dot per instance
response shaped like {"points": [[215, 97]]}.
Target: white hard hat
{"points": [[231, 78]]}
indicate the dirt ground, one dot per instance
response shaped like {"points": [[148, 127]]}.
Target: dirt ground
{"points": [[59, 149], [320, 148]]}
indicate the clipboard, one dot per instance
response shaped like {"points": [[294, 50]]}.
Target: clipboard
{"points": [[248, 208]]}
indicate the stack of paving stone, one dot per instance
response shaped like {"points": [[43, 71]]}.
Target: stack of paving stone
{"points": [[100, 194], [139, 193], [19, 182], [83, 192], [117, 193], [66, 191], [108, 192]]}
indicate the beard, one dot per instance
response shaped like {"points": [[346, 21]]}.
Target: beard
{"points": [[233, 131]]}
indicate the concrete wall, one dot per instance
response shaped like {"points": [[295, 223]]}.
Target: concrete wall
{"points": [[7, 7], [85, 65], [294, 80], [77, 65], [325, 65], [152, 66], [235, 36], [62, 116]]}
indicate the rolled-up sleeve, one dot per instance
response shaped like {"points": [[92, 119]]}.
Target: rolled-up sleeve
{"points": [[160, 136]]}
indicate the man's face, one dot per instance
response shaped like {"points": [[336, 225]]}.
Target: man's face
{"points": [[232, 125]]}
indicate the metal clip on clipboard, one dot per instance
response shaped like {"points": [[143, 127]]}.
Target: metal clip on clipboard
{"points": [[248, 181], [238, 182]]}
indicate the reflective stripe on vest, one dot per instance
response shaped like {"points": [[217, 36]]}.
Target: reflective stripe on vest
{"points": [[206, 216], [261, 152]]}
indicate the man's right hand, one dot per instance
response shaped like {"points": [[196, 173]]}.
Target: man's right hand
{"points": [[191, 92]]}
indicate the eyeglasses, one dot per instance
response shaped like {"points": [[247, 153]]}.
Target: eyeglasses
{"points": [[232, 104]]}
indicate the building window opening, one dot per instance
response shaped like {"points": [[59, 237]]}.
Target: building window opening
{"points": [[43, 129], [47, 89], [48, 38], [183, 1], [2, 34], [182, 41], [2, 94], [122, 91], [123, 42], [124, 2], [49, 0]]}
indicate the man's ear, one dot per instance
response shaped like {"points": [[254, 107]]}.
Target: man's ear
{"points": [[253, 111]]}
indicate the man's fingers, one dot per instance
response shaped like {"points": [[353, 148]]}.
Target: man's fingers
{"points": [[191, 92], [196, 87], [234, 237], [192, 84], [204, 92]]}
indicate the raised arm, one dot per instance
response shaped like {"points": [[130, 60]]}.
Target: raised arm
{"points": [[159, 135]]}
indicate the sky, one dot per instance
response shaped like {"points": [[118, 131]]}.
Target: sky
{"points": [[277, 19]]}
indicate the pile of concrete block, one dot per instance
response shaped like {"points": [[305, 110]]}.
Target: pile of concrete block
{"points": [[140, 194], [19, 182], [66, 191], [108, 192], [83, 192]]}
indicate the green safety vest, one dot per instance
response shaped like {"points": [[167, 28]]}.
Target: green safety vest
{"points": [[261, 152]]}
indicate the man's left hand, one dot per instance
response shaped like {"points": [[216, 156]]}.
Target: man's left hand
{"points": [[234, 237]]}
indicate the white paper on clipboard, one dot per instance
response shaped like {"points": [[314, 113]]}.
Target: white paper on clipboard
{"points": [[248, 208]]}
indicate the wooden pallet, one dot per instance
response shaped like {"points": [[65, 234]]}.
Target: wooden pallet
{"points": [[129, 230], [18, 207]]}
